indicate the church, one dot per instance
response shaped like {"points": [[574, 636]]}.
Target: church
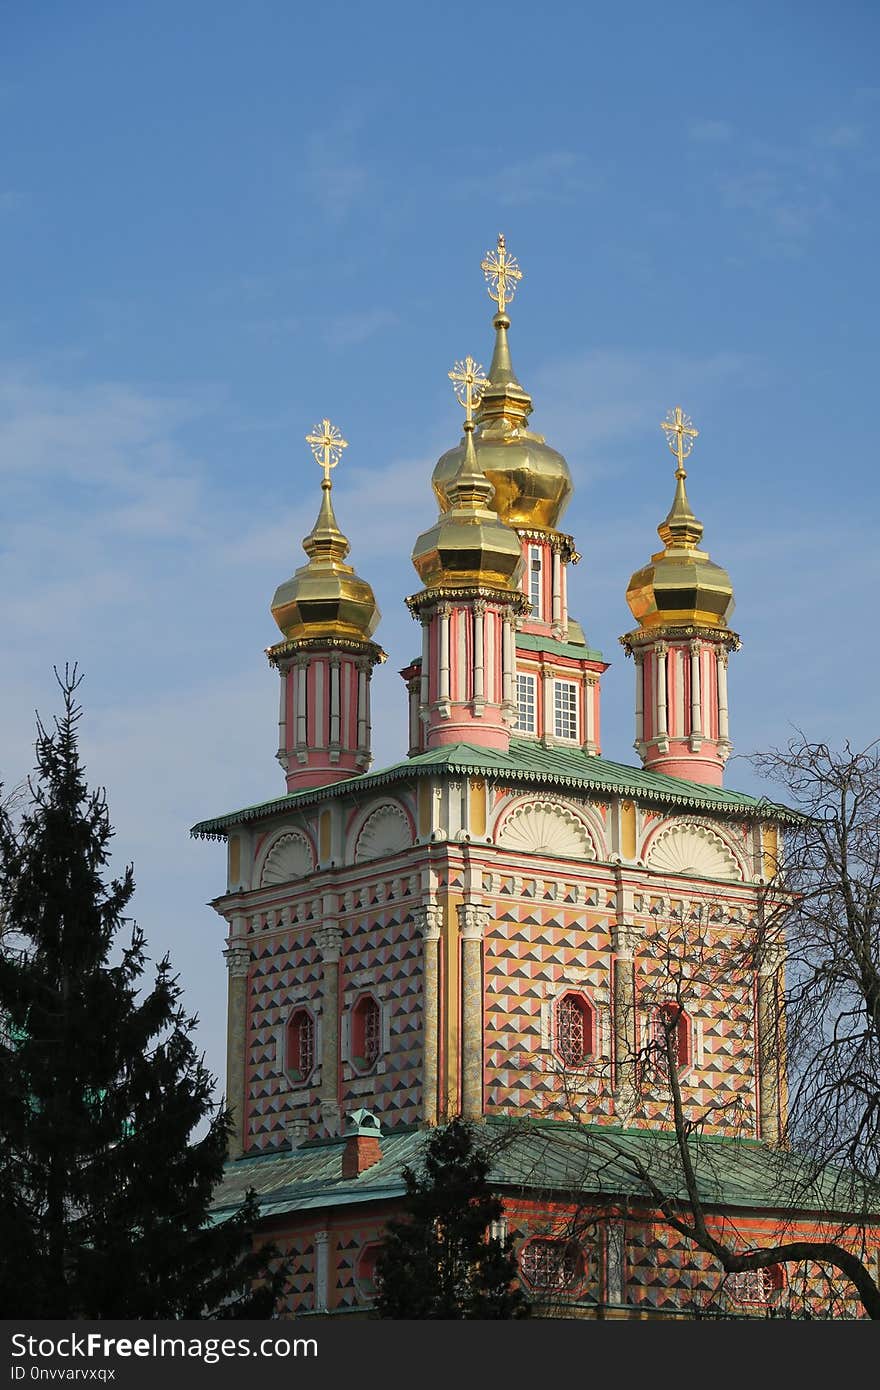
{"points": [[505, 925]]}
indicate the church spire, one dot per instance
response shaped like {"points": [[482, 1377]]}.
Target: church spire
{"points": [[327, 614], [682, 603], [470, 563]]}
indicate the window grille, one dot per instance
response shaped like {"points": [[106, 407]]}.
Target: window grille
{"points": [[366, 1032], [536, 576], [660, 1019], [550, 1264], [572, 1030], [372, 1032], [301, 1045], [525, 704], [565, 710], [752, 1287]]}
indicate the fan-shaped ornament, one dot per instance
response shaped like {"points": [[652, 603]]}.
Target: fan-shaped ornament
{"points": [[385, 831], [693, 849], [290, 857], [543, 827]]}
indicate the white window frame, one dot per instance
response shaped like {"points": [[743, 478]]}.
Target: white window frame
{"points": [[519, 727], [558, 713], [536, 580]]}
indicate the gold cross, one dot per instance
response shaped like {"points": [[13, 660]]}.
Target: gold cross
{"points": [[327, 445], [680, 436], [502, 274], [468, 383]]}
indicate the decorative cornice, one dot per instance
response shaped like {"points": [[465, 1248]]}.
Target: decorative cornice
{"points": [[427, 599], [560, 543], [605, 777], [643, 637], [298, 648]]}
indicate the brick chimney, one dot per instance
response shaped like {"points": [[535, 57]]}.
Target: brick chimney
{"points": [[362, 1147]]}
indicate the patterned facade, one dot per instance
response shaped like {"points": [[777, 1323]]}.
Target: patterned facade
{"points": [[500, 925]]}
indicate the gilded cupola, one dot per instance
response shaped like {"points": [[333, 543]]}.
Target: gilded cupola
{"points": [[681, 586], [325, 598], [469, 544], [532, 481]]}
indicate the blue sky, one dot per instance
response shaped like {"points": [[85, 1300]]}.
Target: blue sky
{"points": [[220, 222]]}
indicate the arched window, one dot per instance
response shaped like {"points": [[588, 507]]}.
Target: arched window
{"points": [[666, 1019], [300, 1052], [574, 1030], [550, 1264], [366, 1032]]}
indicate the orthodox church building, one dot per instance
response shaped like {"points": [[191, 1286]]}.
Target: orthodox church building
{"points": [[505, 925]]}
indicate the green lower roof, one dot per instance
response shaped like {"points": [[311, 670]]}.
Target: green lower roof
{"points": [[528, 764], [530, 642], [561, 1158]]}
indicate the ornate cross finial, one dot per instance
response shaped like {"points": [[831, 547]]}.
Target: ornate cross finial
{"points": [[502, 274], [327, 445], [469, 383], [680, 436]]}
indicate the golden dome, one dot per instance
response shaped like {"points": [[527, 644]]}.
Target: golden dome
{"points": [[469, 545], [681, 587], [532, 482], [325, 598]]}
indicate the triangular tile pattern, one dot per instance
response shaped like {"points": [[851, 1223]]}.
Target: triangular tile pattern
{"points": [[299, 1253], [286, 967], [382, 952], [532, 950], [346, 1258], [664, 1270], [721, 1005], [351, 1238]]}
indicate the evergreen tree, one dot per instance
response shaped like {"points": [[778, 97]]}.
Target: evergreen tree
{"points": [[104, 1196], [440, 1261]]}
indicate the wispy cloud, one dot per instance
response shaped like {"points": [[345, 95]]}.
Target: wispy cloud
{"points": [[710, 132], [788, 208], [554, 176], [782, 191], [337, 175], [348, 330], [841, 136], [601, 402]]}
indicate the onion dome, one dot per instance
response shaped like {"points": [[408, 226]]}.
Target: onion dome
{"points": [[325, 598], [681, 587], [532, 481], [469, 545]]}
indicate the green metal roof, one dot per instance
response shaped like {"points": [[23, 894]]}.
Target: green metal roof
{"points": [[529, 763], [531, 643], [551, 1157]]}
